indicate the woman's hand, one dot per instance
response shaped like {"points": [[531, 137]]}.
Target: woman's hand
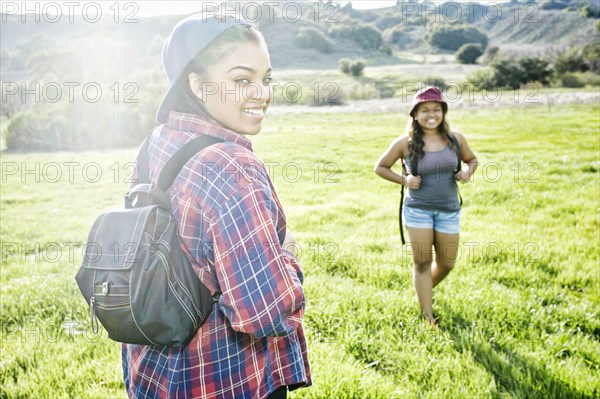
{"points": [[462, 176], [413, 182], [289, 242]]}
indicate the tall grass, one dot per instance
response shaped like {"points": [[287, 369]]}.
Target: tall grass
{"points": [[519, 315]]}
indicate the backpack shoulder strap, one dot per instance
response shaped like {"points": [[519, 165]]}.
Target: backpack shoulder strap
{"points": [[168, 173], [142, 163], [180, 158], [414, 162], [400, 216], [456, 145]]}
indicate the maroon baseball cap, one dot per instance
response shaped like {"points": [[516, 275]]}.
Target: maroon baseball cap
{"points": [[429, 93]]}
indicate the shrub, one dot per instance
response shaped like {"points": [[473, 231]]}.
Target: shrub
{"points": [[536, 70], [326, 94], [399, 36], [312, 38], [591, 53], [349, 67], [385, 91], [589, 12], [588, 78], [435, 81], [344, 65], [509, 74], [483, 79], [363, 91], [357, 68], [451, 37], [490, 55], [366, 36], [571, 80], [468, 53], [341, 31], [554, 5], [387, 22], [572, 61], [21, 133]]}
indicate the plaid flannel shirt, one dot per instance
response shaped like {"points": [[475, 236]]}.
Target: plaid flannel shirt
{"points": [[232, 225]]}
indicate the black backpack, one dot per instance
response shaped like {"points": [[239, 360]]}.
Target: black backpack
{"points": [[135, 277], [413, 168]]}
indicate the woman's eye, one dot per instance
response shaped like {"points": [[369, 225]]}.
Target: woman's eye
{"points": [[268, 80], [243, 81]]}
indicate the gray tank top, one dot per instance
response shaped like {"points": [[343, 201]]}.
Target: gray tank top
{"points": [[438, 190]]}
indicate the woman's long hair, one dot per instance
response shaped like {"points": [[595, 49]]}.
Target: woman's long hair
{"points": [[224, 45], [415, 134]]}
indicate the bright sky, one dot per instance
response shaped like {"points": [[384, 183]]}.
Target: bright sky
{"points": [[132, 9], [182, 7]]}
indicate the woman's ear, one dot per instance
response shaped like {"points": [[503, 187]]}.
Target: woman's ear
{"points": [[196, 85]]}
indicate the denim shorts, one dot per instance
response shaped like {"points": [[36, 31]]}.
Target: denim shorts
{"points": [[444, 222]]}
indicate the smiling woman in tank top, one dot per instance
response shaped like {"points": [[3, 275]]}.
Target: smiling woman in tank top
{"points": [[431, 211]]}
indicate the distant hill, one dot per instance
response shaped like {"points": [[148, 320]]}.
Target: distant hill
{"points": [[403, 29]]}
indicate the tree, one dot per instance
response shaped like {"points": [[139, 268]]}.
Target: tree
{"points": [[468, 53], [451, 37], [357, 68], [490, 55], [536, 70], [589, 12], [554, 5], [572, 61], [344, 65], [367, 37], [312, 38], [508, 73], [354, 68], [591, 53], [483, 79]]}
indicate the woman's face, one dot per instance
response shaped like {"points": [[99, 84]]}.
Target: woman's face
{"points": [[430, 115], [236, 91]]}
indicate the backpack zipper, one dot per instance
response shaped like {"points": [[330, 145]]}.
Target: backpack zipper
{"points": [[94, 319]]}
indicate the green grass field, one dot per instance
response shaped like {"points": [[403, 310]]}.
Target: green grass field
{"points": [[519, 315]]}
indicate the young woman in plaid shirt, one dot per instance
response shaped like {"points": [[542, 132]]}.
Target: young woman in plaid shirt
{"points": [[231, 223]]}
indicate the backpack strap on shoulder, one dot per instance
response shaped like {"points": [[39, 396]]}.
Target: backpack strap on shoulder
{"points": [[456, 145], [174, 165], [144, 192], [142, 163]]}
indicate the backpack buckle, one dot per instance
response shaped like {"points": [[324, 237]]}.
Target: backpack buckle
{"points": [[105, 287]]}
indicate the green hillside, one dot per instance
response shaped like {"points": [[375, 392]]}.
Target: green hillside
{"points": [[402, 28], [48, 68]]}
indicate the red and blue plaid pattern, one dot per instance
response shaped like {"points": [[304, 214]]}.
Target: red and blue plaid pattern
{"points": [[233, 226]]}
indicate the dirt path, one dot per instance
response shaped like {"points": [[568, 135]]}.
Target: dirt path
{"points": [[473, 101]]}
